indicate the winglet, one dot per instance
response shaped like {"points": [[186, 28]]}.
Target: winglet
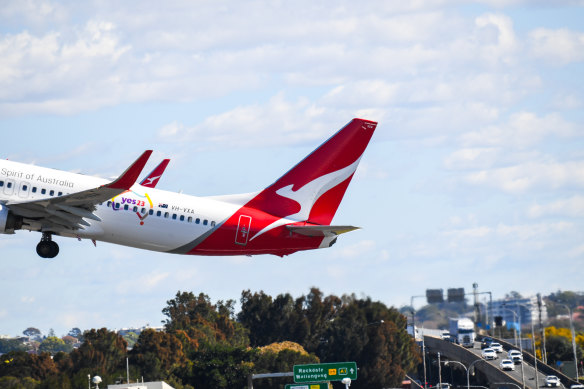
{"points": [[129, 177], [152, 179]]}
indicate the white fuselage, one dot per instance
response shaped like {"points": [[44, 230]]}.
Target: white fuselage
{"points": [[147, 218]]}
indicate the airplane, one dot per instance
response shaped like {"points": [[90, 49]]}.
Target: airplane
{"points": [[292, 214], [151, 180]]}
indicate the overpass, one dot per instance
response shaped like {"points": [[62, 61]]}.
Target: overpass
{"points": [[484, 373]]}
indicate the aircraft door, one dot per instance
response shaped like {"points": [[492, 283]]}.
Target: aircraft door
{"points": [[242, 233]]}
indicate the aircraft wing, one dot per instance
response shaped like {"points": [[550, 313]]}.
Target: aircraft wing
{"points": [[321, 230], [67, 212]]}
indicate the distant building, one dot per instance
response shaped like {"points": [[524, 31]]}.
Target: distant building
{"points": [[137, 331], [142, 385], [527, 309]]}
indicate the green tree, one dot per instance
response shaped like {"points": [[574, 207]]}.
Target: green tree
{"points": [[157, 354], [280, 357], [53, 345], [32, 332], [375, 337], [131, 338], [21, 364], [103, 352], [198, 322], [76, 333], [7, 345], [220, 366], [9, 382]]}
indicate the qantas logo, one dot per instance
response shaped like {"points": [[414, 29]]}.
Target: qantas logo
{"points": [[151, 180], [309, 194]]}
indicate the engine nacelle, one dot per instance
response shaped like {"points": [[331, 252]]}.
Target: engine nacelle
{"points": [[8, 221]]}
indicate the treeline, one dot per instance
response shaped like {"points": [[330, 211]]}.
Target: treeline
{"points": [[208, 345]]}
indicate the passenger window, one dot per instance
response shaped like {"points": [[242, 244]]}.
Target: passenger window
{"points": [[151, 212], [182, 218], [198, 221], [212, 224], [190, 219], [34, 189], [9, 185], [109, 204], [166, 214], [24, 187], [126, 207], [60, 193], [158, 213], [205, 222], [117, 205], [1, 184], [52, 193], [143, 210], [174, 216], [135, 209], [43, 191]]}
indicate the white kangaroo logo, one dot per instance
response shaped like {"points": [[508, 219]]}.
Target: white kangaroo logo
{"points": [[151, 180], [307, 195]]}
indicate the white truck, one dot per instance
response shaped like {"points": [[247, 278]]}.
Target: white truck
{"points": [[462, 331]]}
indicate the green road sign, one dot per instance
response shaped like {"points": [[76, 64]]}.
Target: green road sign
{"points": [[315, 385], [325, 372]]}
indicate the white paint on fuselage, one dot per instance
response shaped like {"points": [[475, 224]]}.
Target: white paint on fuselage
{"points": [[121, 226]]}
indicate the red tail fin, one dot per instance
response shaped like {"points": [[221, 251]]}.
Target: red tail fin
{"points": [[313, 189], [152, 179]]}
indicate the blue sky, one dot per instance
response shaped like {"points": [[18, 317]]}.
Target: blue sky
{"points": [[474, 174]]}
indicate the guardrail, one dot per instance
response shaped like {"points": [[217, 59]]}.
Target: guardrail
{"points": [[541, 367], [459, 353]]}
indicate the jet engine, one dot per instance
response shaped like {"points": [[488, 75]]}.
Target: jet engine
{"points": [[8, 221]]}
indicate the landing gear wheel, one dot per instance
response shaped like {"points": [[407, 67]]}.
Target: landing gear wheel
{"points": [[46, 247]]}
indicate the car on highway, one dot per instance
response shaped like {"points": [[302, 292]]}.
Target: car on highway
{"points": [[497, 347], [552, 380], [486, 342], [507, 364], [445, 335], [489, 354], [515, 356]]}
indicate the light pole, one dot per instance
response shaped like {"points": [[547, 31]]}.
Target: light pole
{"points": [[533, 343], [518, 321], [573, 339], [465, 368], [414, 334]]}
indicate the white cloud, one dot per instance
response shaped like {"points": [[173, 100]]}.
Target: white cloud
{"points": [[558, 47], [543, 176], [143, 284], [523, 129], [472, 158], [567, 207], [497, 38], [357, 250], [277, 122]]}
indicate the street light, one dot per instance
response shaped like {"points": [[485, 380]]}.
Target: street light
{"points": [[532, 342], [465, 368], [573, 339], [518, 321]]}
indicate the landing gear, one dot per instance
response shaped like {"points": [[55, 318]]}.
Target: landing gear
{"points": [[46, 247]]}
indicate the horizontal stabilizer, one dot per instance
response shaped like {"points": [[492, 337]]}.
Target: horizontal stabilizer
{"points": [[321, 230]]}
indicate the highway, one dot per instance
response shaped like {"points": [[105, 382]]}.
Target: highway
{"points": [[494, 376], [528, 370]]}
